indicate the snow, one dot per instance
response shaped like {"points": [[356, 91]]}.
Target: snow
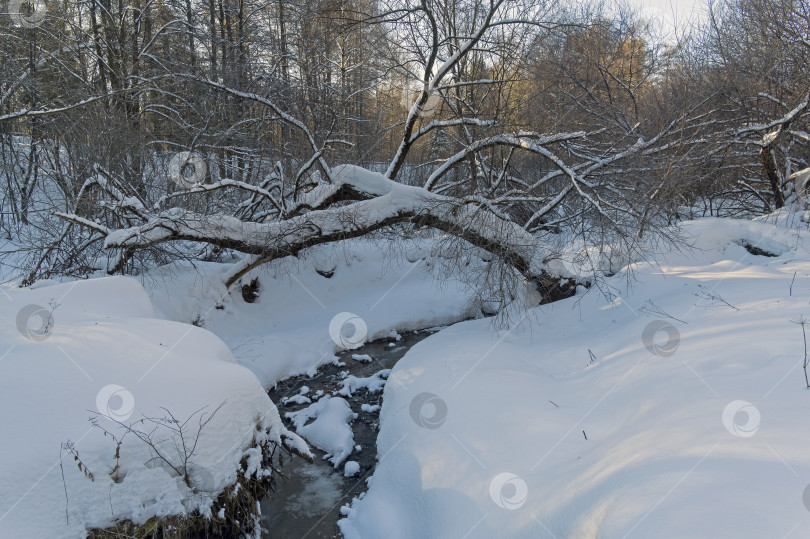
{"points": [[330, 431], [372, 384], [800, 180], [769, 138], [663, 404], [97, 349], [351, 468], [708, 234], [694, 431], [286, 331], [296, 399], [300, 398]]}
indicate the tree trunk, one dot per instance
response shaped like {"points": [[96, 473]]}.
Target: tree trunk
{"points": [[768, 158]]}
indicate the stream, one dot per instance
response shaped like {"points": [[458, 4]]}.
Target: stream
{"points": [[307, 502]]}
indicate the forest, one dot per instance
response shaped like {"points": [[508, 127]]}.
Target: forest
{"points": [[583, 120], [404, 268]]}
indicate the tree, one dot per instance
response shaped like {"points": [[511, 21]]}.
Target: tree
{"points": [[477, 193], [516, 127], [755, 56]]}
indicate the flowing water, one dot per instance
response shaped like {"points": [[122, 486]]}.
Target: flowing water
{"points": [[307, 503]]}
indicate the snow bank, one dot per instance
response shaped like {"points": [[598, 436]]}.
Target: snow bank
{"points": [[676, 407], [772, 235], [95, 349], [302, 317]]}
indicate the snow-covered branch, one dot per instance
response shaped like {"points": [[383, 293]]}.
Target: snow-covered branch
{"points": [[388, 202]]}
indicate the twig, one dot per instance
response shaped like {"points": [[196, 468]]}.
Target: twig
{"points": [[110, 496], [655, 310], [183, 441], [71, 448], [64, 484], [791, 283], [710, 296], [802, 321]]}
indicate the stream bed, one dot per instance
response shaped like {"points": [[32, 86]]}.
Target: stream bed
{"points": [[307, 502]]}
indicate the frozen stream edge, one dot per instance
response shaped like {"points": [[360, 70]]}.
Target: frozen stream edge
{"points": [[307, 503]]}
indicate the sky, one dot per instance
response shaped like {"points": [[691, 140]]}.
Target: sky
{"points": [[672, 12]]}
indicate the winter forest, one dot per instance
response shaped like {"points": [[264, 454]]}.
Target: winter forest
{"points": [[404, 269]]}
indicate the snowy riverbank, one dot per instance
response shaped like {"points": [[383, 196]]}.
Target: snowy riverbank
{"points": [[695, 427], [674, 407], [95, 349], [81, 350]]}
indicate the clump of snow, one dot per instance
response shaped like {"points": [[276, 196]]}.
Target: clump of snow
{"points": [[330, 431], [372, 384], [369, 408], [351, 468], [95, 349], [296, 399], [365, 358], [300, 398]]}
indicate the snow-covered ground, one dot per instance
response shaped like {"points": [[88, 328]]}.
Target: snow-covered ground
{"points": [[109, 346], [676, 407], [96, 349], [301, 317]]}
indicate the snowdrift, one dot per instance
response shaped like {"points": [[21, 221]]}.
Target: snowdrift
{"points": [[96, 349], [674, 407]]}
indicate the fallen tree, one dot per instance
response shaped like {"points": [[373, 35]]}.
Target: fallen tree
{"points": [[602, 186]]}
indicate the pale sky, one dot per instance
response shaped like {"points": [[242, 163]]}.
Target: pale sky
{"points": [[673, 11]]}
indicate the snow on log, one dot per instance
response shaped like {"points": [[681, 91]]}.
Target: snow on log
{"points": [[382, 202]]}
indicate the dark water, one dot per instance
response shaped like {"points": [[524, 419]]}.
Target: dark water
{"points": [[307, 503]]}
